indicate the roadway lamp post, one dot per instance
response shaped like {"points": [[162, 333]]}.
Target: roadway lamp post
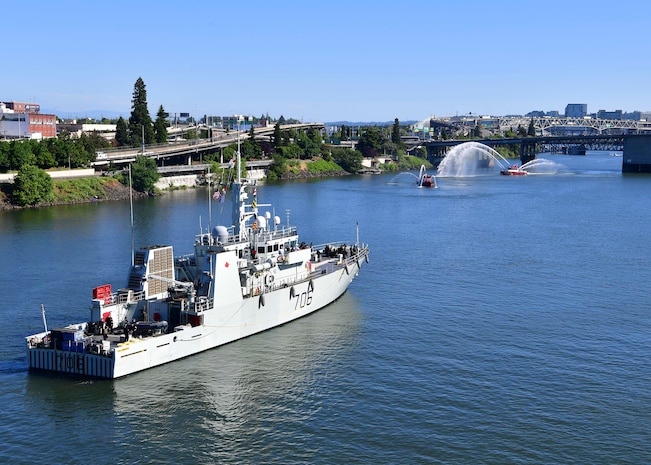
{"points": [[239, 155], [240, 118]]}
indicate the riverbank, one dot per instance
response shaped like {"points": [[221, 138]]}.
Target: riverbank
{"points": [[109, 189]]}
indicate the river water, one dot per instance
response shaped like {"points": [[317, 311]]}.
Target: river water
{"points": [[500, 320]]}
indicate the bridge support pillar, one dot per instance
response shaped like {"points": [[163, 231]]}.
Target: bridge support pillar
{"points": [[527, 152], [637, 154], [435, 154], [189, 160]]}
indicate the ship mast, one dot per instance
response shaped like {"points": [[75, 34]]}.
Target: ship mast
{"points": [[239, 213], [43, 314]]}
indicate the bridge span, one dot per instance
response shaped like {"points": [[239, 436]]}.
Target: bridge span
{"points": [[544, 125], [636, 148]]}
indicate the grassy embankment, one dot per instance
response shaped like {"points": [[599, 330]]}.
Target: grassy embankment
{"points": [[81, 190]]}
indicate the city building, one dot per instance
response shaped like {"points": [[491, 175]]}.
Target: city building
{"points": [[576, 110], [24, 121], [614, 115]]}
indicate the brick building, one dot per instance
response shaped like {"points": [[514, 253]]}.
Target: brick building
{"points": [[24, 121]]}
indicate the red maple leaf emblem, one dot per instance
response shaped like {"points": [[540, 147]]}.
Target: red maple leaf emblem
{"points": [[226, 265]]}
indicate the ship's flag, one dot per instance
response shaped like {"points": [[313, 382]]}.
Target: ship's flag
{"points": [[255, 198]]}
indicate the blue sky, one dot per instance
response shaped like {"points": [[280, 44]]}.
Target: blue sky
{"points": [[328, 61]]}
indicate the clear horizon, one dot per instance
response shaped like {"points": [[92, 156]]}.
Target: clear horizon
{"points": [[359, 61]]}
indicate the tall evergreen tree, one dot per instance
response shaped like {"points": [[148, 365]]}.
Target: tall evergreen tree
{"points": [[140, 123], [395, 132], [343, 133], [277, 136], [532, 129], [160, 126], [121, 133]]}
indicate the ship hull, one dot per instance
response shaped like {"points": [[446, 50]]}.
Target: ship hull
{"points": [[220, 326]]}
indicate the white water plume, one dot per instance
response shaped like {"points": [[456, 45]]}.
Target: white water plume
{"points": [[470, 159]]}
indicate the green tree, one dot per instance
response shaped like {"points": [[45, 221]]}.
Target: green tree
{"points": [[121, 133], [4, 156], [144, 174], [140, 123], [249, 149], [532, 129], [277, 136], [20, 154], [349, 160], [88, 145], [160, 126], [343, 133], [277, 168], [476, 131], [370, 143], [395, 132], [32, 185], [58, 147], [522, 132], [77, 156], [44, 158], [310, 143]]}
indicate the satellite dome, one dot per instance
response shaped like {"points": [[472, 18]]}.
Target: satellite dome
{"points": [[221, 233]]}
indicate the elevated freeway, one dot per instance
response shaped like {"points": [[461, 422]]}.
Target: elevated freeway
{"points": [[189, 150]]}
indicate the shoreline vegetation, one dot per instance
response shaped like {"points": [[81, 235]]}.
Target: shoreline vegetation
{"points": [[297, 154], [110, 188]]}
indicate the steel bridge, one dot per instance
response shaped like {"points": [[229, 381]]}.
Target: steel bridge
{"points": [[636, 148], [545, 125]]}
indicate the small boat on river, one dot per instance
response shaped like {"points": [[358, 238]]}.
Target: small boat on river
{"points": [[241, 280], [514, 170], [424, 179]]}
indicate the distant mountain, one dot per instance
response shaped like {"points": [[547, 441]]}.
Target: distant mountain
{"points": [[366, 123], [111, 114]]}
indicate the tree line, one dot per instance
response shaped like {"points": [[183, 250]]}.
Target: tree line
{"points": [[29, 158]]}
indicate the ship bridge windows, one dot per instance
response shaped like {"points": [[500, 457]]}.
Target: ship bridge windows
{"points": [[269, 248]]}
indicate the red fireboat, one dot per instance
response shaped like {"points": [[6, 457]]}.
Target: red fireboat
{"points": [[514, 170], [424, 179], [427, 180]]}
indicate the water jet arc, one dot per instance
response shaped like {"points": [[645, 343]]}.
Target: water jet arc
{"points": [[464, 160]]}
